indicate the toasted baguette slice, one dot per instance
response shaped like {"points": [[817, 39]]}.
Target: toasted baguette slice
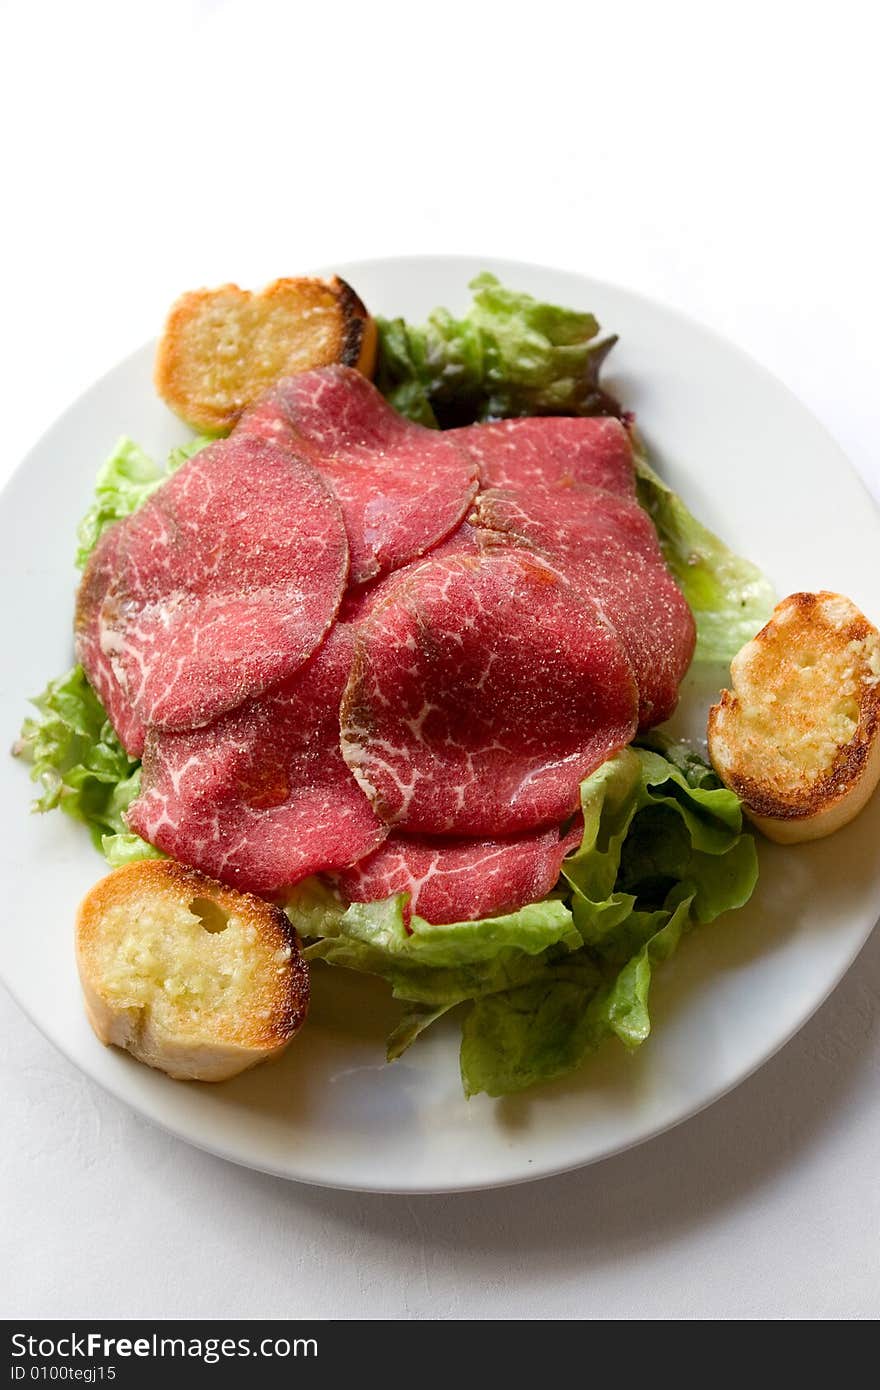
{"points": [[222, 348], [193, 978], [798, 739]]}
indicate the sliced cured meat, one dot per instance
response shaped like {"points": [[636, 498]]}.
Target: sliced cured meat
{"points": [[96, 580], [225, 582], [461, 880], [402, 488], [554, 451], [607, 546], [566, 487], [484, 688], [358, 603], [464, 541], [261, 797]]}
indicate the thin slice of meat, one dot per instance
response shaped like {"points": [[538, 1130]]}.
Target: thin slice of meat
{"points": [[96, 580], [461, 880], [261, 798], [402, 488], [606, 545], [555, 451], [566, 488], [463, 541], [226, 581], [484, 688], [359, 602]]}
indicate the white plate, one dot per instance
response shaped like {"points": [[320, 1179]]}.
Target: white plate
{"points": [[753, 464]]}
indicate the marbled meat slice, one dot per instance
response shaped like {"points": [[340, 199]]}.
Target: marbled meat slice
{"points": [[226, 581], [461, 880], [484, 688], [93, 588], [359, 602], [261, 798], [402, 488], [556, 451], [606, 545]]}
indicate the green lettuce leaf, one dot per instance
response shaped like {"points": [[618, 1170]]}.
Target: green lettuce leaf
{"points": [[729, 597], [662, 851], [508, 355], [125, 849], [79, 762], [125, 481], [411, 1024], [82, 767], [548, 1028], [535, 1033], [426, 964]]}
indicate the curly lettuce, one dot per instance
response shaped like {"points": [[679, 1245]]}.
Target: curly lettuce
{"points": [[509, 354], [662, 852], [80, 765]]}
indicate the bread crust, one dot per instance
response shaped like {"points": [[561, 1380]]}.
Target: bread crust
{"points": [[787, 801], [361, 339], [212, 1047], [222, 348]]}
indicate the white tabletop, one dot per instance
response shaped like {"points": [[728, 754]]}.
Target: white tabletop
{"points": [[728, 171]]}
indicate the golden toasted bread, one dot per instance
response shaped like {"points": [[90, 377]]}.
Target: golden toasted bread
{"points": [[222, 348], [798, 738], [196, 979]]}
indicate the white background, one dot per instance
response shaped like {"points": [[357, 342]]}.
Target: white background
{"points": [[720, 158]]}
